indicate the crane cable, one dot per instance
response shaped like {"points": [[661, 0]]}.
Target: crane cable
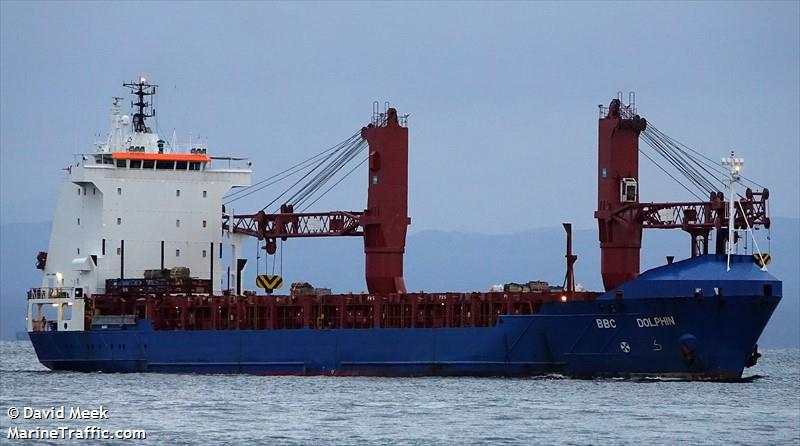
{"points": [[336, 183], [317, 166], [331, 169], [691, 165], [701, 171], [679, 162], [699, 163], [670, 175], [709, 162], [276, 178], [328, 168]]}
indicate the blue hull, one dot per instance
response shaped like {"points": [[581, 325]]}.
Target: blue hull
{"points": [[666, 323]]}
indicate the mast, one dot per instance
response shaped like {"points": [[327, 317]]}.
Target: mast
{"points": [[144, 109], [735, 166]]}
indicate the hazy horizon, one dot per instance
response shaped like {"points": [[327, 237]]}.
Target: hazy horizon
{"points": [[505, 92]]}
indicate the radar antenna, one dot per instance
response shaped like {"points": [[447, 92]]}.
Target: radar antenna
{"points": [[141, 89]]}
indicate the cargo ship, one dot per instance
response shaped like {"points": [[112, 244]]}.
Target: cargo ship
{"points": [[135, 280]]}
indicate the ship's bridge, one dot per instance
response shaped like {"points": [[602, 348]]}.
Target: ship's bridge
{"points": [[197, 160], [136, 203]]}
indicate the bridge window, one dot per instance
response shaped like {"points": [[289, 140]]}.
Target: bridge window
{"points": [[148, 164], [768, 290], [194, 166], [165, 165], [181, 165], [121, 163], [136, 164]]}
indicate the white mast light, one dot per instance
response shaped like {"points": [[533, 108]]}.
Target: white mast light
{"points": [[735, 166]]}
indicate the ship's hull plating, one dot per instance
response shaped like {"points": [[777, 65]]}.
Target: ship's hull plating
{"points": [[687, 337]]}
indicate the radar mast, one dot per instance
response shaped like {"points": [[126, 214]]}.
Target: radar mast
{"points": [[144, 109]]}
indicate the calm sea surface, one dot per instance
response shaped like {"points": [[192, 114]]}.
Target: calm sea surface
{"points": [[241, 410]]}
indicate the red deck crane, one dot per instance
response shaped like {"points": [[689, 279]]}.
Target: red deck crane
{"points": [[621, 217], [383, 224]]}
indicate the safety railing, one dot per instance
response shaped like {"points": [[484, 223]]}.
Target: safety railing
{"points": [[51, 293]]}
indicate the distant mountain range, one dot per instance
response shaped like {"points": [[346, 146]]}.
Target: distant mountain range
{"points": [[435, 261]]}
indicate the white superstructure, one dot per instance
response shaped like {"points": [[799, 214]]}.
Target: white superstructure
{"points": [[135, 204]]}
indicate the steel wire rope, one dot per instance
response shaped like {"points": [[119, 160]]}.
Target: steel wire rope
{"points": [[669, 142], [330, 171], [336, 183], [326, 174], [685, 162], [250, 192], [708, 160], [274, 261], [294, 169], [308, 160], [258, 257], [322, 162], [678, 159], [331, 165], [702, 159], [720, 179], [297, 167], [670, 175], [302, 199], [672, 152], [693, 165], [362, 145], [671, 158]]}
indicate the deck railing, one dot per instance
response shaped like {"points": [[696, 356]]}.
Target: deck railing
{"points": [[51, 293]]}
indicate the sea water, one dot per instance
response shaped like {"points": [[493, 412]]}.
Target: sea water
{"points": [[242, 410]]}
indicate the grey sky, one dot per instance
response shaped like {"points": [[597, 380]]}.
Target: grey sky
{"points": [[503, 96]]}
